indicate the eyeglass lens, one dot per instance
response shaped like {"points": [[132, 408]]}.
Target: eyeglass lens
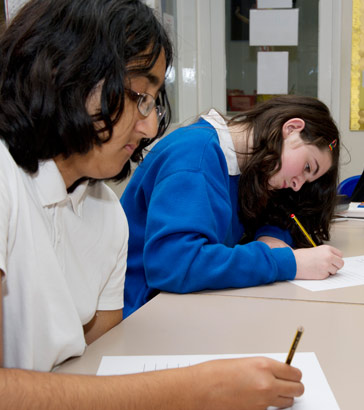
{"points": [[146, 105]]}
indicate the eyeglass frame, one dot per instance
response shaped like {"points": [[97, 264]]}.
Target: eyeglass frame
{"points": [[139, 98]]}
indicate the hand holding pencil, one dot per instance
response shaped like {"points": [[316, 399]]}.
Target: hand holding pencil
{"points": [[318, 262]]}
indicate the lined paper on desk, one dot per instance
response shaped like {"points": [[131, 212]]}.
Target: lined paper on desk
{"points": [[352, 274], [318, 394]]}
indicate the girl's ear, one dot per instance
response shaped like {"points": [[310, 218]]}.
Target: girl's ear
{"points": [[294, 124]]}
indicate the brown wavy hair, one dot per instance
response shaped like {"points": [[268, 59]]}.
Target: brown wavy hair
{"points": [[314, 203]]}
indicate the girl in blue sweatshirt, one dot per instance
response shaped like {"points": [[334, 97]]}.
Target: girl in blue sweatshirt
{"points": [[210, 205]]}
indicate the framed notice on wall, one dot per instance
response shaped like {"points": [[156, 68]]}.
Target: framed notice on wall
{"points": [[357, 68]]}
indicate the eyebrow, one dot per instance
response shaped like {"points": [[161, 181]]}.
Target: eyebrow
{"points": [[317, 167], [153, 79]]}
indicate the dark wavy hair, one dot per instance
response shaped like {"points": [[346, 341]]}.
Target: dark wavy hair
{"points": [[52, 56], [314, 203]]}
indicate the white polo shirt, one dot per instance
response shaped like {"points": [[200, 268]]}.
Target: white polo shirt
{"points": [[64, 257]]}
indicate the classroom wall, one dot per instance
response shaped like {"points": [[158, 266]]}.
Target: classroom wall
{"points": [[353, 160]]}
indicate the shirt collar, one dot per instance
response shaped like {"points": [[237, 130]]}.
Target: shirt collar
{"points": [[52, 189], [226, 142]]}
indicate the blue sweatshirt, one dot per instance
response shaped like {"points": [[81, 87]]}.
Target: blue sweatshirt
{"points": [[182, 208]]}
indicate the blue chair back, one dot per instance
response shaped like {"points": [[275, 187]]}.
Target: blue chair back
{"points": [[347, 186]]}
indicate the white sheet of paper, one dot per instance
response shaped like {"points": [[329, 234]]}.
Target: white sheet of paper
{"points": [[274, 4], [354, 211], [318, 394], [352, 274], [272, 72], [277, 27]]}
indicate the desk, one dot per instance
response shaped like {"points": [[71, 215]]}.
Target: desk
{"points": [[208, 324], [348, 236]]}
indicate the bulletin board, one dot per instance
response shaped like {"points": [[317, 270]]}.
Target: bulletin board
{"points": [[357, 68]]}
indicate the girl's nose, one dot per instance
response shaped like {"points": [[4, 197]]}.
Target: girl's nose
{"points": [[148, 126], [297, 183]]}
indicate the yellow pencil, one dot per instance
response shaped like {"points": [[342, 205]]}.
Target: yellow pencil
{"points": [[303, 230], [294, 345]]}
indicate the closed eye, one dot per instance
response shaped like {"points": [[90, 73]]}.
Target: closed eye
{"points": [[308, 168], [317, 168]]}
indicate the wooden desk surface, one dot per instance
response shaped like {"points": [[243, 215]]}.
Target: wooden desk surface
{"points": [[208, 324], [348, 236]]}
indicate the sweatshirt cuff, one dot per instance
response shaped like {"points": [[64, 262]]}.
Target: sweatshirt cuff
{"points": [[286, 263]]}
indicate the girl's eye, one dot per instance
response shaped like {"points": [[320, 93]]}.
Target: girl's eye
{"points": [[307, 167]]}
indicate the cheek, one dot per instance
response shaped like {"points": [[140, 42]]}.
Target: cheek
{"points": [[291, 166], [127, 120], [123, 129], [275, 181]]}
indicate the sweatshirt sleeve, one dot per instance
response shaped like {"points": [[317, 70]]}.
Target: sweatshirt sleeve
{"points": [[275, 232], [184, 250]]}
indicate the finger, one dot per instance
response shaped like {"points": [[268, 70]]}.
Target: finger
{"points": [[333, 270], [337, 264], [286, 372], [336, 251], [289, 389], [283, 402]]}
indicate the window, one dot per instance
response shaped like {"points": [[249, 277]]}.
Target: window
{"points": [[241, 58]]}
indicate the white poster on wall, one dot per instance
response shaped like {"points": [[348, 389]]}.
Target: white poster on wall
{"points": [[274, 4], [12, 6], [277, 27], [272, 72]]}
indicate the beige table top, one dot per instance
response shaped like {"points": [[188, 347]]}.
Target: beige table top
{"points": [[209, 324], [348, 236]]}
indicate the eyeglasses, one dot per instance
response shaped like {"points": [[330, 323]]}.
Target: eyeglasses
{"points": [[146, 103]]}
